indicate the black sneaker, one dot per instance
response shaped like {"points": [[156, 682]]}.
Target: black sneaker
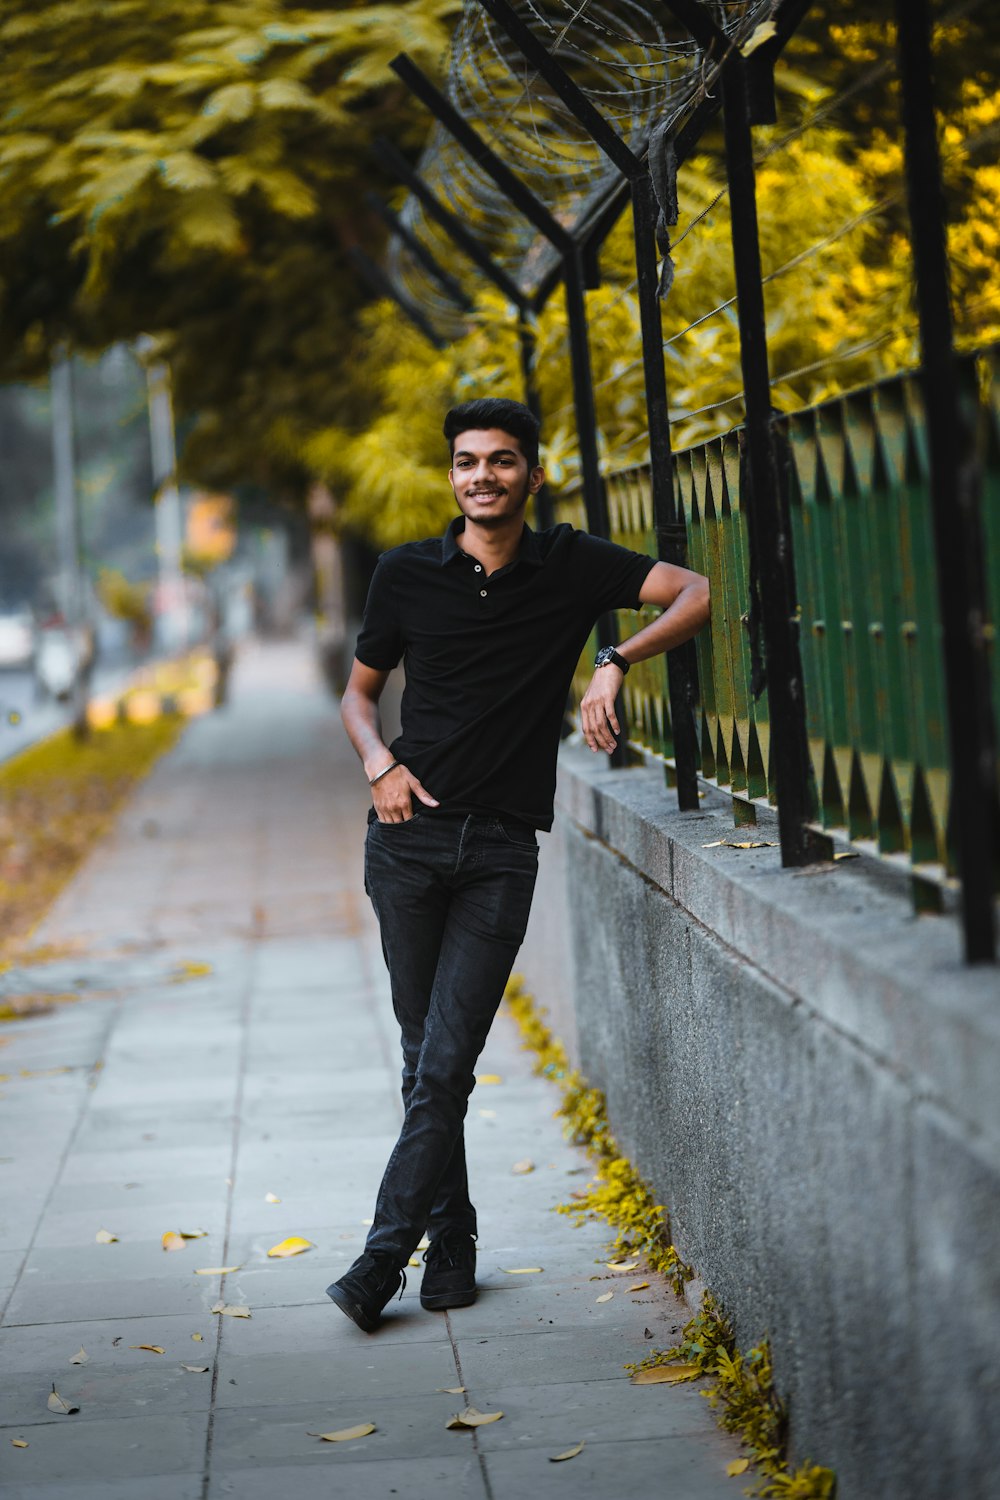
{"points": [[450, 1277], [363, 1291]]}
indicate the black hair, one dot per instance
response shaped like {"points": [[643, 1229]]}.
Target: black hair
{"points": [[495, 411]]}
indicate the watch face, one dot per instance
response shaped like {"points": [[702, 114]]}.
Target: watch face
{"points": [[604, 656]]}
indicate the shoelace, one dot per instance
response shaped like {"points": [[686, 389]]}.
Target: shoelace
{"points": [[444, 1248], [375, 1271]]}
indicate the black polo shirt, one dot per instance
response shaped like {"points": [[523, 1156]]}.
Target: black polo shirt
{"points": [[489, 660]]}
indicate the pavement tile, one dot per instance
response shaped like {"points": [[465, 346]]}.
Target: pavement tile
{"points": [[117, 1381], [686, 1467], [151, 1487], [114, 1448], [406, 1427], [445, 1478]]}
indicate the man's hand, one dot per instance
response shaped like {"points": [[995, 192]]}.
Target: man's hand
{"points": [[597, 710], [392, 796]]}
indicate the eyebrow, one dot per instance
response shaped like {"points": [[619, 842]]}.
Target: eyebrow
{"points": [[497, 453]]}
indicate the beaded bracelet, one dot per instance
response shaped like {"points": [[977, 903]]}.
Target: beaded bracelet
{"points": [[390, 767]]}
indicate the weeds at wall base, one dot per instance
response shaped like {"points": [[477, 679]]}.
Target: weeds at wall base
{"points": [[742, 1391]]}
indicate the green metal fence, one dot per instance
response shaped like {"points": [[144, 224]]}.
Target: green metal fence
{"points": [[870, 634]]}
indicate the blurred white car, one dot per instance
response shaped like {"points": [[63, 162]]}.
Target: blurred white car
{"points": [[59, 654], [17, 639]]}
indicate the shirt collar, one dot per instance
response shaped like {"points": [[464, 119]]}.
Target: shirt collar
{"points": [[528, 551]]}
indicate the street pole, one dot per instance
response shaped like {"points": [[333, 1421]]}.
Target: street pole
{"points": [[169, 520], [69, 531]]}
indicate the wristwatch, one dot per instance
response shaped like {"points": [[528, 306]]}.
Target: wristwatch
{"points": [[609, 654]]}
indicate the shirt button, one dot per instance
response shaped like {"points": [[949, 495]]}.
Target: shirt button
{"points": [[478, 568], [482, 593]]}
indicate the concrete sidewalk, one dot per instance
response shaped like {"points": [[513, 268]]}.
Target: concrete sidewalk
{"points": [[182, 1097]]}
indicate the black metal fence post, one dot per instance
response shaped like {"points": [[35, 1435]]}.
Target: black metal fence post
{"points": [[382, 286], [420, 252], [768, 521], [958, 537]]}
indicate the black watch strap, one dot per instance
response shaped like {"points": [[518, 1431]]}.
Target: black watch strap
{"points": [[608, 654]]}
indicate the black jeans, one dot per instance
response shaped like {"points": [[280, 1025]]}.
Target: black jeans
{"points": [[452, 895]]}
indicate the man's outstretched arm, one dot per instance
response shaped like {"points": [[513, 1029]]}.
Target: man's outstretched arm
{"points": [[393, 793], [685, 601]]}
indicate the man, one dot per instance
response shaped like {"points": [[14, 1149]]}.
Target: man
{"points": [[490, 620]]}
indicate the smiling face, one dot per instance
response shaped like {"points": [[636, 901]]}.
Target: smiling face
{"points": [[491, 477]]}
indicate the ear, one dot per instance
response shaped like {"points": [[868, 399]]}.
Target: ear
{"points": [[536, 479]]}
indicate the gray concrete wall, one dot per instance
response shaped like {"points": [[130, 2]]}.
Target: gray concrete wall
{"points": [[806, 1075]]}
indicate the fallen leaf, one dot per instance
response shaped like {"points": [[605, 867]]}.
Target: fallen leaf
{"points": [[216, 1270], [470, 1417], [738, 1466], [414, 1261], [519, 1270], [153, 1348], [56, 1403], [196, 1369], [425, 1244], [80, 1357], [622, 1265], [847, 854], [579, 1193], [558, 1458], [192, 1234], [666, 1375], [346, 1434], [18, 1443], [198, 1338], [190, 969], [488, 1078], [522, 1168], [755, 844], [105, 1237], [488, 1114], [715, 844], [638, 1286], [296, 1245], [761, 34], [231, 1309], [172, 1240], [647, 1333], [606, 1297], [451, 1390], [271, 1198]]}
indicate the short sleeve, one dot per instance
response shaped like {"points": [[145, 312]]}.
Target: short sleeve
{"points": [[380, 641], [610, 576]]}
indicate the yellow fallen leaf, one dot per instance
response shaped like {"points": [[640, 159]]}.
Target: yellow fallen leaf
{"points": [[666, 1375], [196, 1369], [346, 1434], [520, 1270], [81, 1357], [105, 1237], [414, 1261], [56, 1403], [715, 844], [18, 1443], [425, 1244], [217, 1270], [606, 1297], [638, 1286], [488, 1078], [622, 1265], [271, 1198], [522, 1168], [754, 844], [847, 854], [470, 1417], [296, 1245], [198, 1338], [172, 1240], [192, 1234], [738, 1466], [153, 1348], [231, 1309], [190, 969], [558, 1458], [451, 1390]]}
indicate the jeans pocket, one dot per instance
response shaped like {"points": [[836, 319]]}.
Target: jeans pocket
{"points": [[518, 836]]}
